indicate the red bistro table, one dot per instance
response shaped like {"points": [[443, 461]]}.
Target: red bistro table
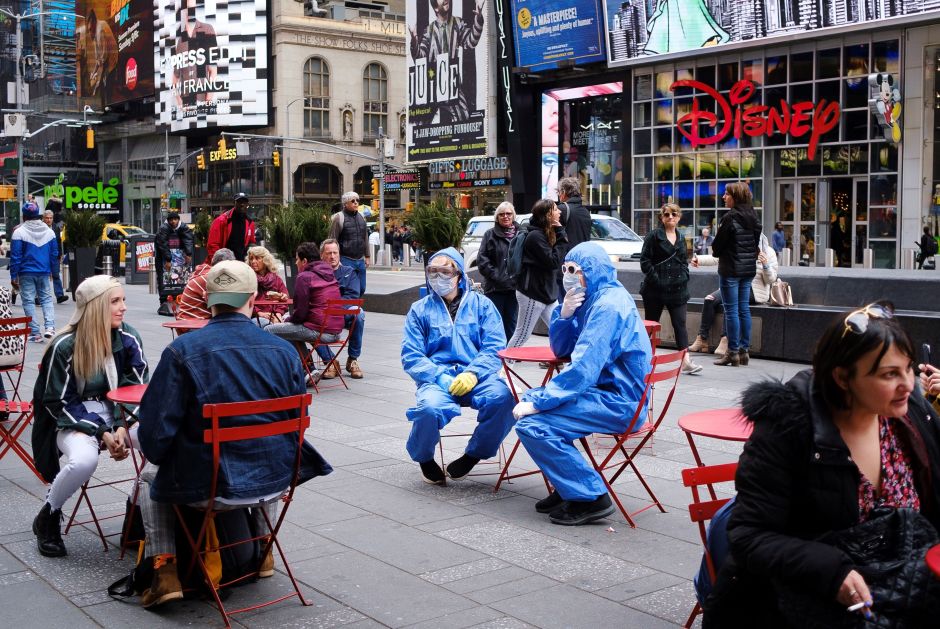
{"points": [[181, 326], [727, 424], [933, 560]]}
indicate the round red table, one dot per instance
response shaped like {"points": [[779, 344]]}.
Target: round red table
{"points": [[541, 354], [131, 394], [727, 424], [181, 326], [933, 560]]}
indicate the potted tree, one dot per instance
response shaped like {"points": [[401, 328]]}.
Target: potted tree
{"points": [[81, 234], [286, 227], [435, 226], [201, 224]]}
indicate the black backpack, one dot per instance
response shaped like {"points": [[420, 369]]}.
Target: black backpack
{"points": [[514, 257], [932, 247]]}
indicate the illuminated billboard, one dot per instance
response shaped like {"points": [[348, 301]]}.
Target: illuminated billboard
{"points": [[549, 32], [211, 60], [639, 29], [449, 80], [114, 58]]}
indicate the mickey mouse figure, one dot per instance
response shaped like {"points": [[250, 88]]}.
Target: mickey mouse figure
{"points": [[886, 105]]}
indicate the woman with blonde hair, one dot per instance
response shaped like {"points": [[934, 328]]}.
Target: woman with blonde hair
{"points": [[270, 284], [95, 353]]}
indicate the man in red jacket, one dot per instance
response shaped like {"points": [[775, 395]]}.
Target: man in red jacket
{"points": [[232, 230]]}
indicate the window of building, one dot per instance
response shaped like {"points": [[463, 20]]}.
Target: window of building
{"points": [[316, 98], [318, 180], [374, 100]]}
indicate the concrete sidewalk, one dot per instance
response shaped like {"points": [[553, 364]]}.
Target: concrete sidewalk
{"points": [[374, 546]]}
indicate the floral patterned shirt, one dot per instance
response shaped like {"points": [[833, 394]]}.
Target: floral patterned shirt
{"points": [[897, 477]]}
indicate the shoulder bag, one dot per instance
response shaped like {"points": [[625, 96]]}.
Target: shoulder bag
{"points": [[780, 294], [653, 277]]}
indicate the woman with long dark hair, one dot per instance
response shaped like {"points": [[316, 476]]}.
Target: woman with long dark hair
{"points": [[736, 247], [536, 286]]}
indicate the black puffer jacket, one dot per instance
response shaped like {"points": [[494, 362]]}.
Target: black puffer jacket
{"points": [[541, 264], [796, 482], [670, 281], [737, 242], [491, 260], [577, 221]]}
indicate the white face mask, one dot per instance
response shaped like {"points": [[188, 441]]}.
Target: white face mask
{"points": [[443, 285], [570, 280]]}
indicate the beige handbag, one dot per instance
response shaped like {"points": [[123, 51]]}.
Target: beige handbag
{"points": [[780, 294]]}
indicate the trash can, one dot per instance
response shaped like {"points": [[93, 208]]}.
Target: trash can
{"points": [[142, 251], [110, 249]]}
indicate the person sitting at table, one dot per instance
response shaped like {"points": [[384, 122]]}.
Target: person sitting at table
{"points": [[599, 328], [449, 349], [830, 450], [270, 285], [315, 285], [348, 280], [244, 363], [192, 303], [95, 353]]}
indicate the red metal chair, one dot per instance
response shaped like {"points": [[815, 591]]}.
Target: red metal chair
{"points": [[334, 308], [215, 436], [16, 329], [701, 511], [19, 414], [665, 369]]}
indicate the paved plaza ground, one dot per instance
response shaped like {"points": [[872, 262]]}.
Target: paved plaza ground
{"points": [[375, 546]]}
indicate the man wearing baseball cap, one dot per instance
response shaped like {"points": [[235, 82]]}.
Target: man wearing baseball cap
{"points": [[229, 360], [33, 254], [232, 230], [174, 244]]}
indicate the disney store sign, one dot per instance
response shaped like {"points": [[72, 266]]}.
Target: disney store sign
{"points": [[736, 118]]}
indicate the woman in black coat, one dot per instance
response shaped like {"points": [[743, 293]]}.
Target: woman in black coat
{"points": [[736, 246], [665, 264], [828, 447], [491, 261], [536, 287]]}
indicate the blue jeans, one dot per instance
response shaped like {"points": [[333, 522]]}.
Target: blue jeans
{"points": [[57, 282], [735, 295], [355, 340], [360, 267], [31, 285]]}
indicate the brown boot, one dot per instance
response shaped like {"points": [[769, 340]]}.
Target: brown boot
{"points": [[743, 357], [330, 372], [700, 345], [732, 359], [722, 346], [267, 563], [352, 366], [165, 585]]}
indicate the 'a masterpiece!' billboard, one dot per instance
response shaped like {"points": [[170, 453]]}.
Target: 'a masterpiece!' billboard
{"points": [[549, 31], [449, 79], [211, 59], [643, 28], [114, 51]]}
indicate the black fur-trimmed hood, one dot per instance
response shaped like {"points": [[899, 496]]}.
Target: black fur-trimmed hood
{"points": [[773, 400]]}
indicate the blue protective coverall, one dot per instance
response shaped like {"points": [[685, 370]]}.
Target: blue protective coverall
{"points": [[598, 392], [434, 345]]}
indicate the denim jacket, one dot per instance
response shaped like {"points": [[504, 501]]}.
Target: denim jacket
{"points": [[229, 360]]}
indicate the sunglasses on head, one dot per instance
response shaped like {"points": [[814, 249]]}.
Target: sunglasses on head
{"points": [[570, 269], [857, 321], [435, 272]]}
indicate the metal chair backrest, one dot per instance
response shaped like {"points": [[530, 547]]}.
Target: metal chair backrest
{"points": [[701, 511], [12, 328]]}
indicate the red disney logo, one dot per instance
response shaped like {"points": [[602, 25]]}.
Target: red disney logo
{"points": [[796, 120]]}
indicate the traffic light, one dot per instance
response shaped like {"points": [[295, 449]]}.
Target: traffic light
{"points": [[89, 138], [375, 187], [276, 156], [201, 161]]}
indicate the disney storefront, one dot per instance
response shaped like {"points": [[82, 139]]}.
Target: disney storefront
{"points": [[805, 125]]}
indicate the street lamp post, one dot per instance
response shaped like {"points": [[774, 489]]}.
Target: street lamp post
{"points": [[287, 151]]}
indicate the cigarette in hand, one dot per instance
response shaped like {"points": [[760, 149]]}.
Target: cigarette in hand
{"points": [[855, 607]]}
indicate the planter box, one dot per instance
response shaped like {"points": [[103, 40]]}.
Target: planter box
{"points": [[81, 266]]}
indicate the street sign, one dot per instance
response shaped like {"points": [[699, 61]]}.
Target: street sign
{"points": [[377, 171]]}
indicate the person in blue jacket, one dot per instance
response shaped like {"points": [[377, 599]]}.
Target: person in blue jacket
{"points": [[599, 328], [449, 349]]}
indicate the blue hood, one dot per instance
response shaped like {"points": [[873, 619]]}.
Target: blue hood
{"points": [[454, 255], [599, 271]]}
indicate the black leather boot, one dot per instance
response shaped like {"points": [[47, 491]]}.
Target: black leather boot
{"points": [[48, 534]]}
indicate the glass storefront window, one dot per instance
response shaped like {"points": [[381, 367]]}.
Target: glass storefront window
{"points": [[884, 190], [835, 160], [642, 115], [663, 81], [753, 70], [829, 63], [776, 70], [642, 87], [884, 157], [886, 56], [801, 66]]}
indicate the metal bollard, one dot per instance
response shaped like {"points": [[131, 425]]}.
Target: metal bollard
{"points": [[107, 265], [406, 254], [830, 257], [64, 274], [152, 278], [868, 258], [387, 254], [786, 256]]}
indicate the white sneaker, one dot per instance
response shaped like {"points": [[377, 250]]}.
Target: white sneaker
{"points": [[49, 333], [690, 368]]}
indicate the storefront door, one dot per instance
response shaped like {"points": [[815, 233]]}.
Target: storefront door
{"points": [[796, 206], [848, 219]]}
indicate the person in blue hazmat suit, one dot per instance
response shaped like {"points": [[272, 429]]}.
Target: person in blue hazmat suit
{"points": [[449, 349], [599, 327]]}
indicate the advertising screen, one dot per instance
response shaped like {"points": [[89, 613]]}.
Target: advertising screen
{"points": [[449, 80], [211, 61], [549, 31], [114, 58], [644, 28]]}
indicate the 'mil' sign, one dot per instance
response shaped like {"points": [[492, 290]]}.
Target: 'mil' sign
{"points": [[737, 119]]}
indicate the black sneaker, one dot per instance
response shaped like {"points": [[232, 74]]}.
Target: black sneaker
{"points": [[165, 310], [462, 466], [47, 531], [433, 473], [547, 505], [577, 512], [61, 299]]}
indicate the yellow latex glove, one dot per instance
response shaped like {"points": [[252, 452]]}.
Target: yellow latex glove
{"points": [[463, 384]]}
